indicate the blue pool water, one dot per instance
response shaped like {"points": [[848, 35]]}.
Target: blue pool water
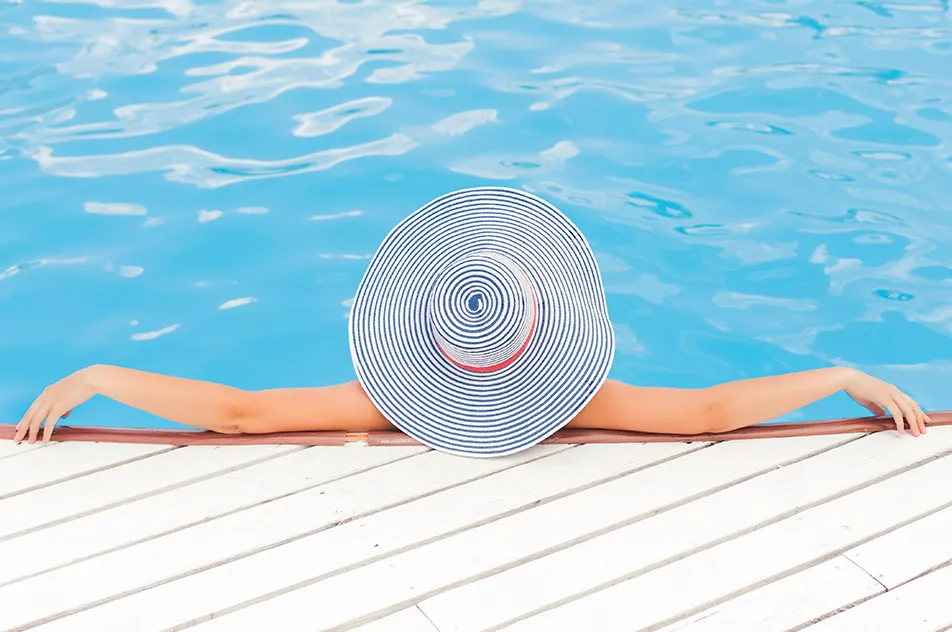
{"points": [[196, 187]]}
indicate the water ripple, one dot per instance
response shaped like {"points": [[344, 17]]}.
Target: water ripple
{"points": [[191, 165], [333, 118]]}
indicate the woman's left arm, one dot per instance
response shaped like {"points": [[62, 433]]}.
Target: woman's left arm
{"points": [[741, 403]]}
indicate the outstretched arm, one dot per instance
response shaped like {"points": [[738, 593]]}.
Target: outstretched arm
{"points": [[205, 404], [741, 403], [617, 406]]}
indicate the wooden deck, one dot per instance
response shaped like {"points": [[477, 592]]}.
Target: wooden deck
{"points": [[843, 533]]}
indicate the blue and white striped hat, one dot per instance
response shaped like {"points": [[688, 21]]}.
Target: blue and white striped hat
{"points": [[481, 327]]}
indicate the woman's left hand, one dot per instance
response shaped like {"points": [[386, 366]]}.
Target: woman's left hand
{"points": [[56, 402], [882, 398]]}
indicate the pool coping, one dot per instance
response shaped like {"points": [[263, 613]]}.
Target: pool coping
{"points": [[394, 438]]}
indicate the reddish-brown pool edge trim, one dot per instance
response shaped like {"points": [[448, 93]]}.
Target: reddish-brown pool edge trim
{"points": [[392, 438]]}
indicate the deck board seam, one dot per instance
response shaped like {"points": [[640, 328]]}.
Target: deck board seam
{"points": [[26, 451], [885, 590], [366, 562], [435, 627], [932, 569], [418, 600], [104, 468], [802, 567], [866, 572], [191, 524], [272, 545], [143, 496], [897, 527], [784, 516], [799, 568], [565, 493]]}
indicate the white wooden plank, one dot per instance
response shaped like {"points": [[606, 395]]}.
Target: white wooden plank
{"points": [[214, 542], [404, 525], [909, 551], [63, 461], [407, 577], [409, 620], [128, 481], [922, 605], [787, 603], [614, 556], [703, 579], [11, 448], [243, 480]]}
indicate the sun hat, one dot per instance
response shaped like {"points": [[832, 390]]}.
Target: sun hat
{"points": [[480, 326]]}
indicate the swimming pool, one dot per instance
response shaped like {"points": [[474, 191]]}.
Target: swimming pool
{"points": [[196, 187]]}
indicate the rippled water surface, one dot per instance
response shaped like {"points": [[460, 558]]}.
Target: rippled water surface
{"points": [[196, 187]]}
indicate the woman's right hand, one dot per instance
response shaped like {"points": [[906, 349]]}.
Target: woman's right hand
{"points": [[881, 397], [56, 402]]}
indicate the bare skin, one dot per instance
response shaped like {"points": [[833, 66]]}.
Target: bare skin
{"points": [[617, 406]]}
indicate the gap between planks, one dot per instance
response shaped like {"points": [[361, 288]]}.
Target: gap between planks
{"points": [[835, 442], [921, 605], [474, 470], [547, 460], [767, 464], [900, 555], [817, 536], [37, 540], [9, 449], [850, 484], [269, 453], [71, 460], [852, 562]]}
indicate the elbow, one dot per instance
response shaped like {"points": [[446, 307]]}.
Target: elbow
{"points": [[716, 415], [244, 415], [232, 422]]}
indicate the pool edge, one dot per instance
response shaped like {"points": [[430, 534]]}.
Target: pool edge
{"points": [[394, 438]]}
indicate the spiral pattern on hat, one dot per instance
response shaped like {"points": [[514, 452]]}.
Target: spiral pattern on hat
{"points": [[458, 280], [482, 310]]}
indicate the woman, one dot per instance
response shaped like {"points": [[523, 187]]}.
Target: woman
{"points": [[480, 328]]}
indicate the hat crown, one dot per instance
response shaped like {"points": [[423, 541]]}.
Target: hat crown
{"points": [[482, 311]]}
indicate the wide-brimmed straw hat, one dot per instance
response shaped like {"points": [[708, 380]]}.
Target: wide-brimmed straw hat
{"points": [[480, 326]]}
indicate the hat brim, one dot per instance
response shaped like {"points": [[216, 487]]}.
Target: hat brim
{"points": [[458, 411]]}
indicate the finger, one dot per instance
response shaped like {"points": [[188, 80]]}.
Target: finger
{"points": [[920, 416], [896, 415], [27, 417], [50, 424], [20, 429], [23, 427], [916, 417], [36, 422], [66, 414], [905, 405]]}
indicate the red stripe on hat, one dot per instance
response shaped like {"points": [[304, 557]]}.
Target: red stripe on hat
{"points": [[504, 363]]}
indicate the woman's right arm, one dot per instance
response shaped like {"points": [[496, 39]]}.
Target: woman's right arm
{"points": [[205, 405]]}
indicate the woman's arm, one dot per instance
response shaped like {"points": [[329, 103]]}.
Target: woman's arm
{"points": [[741, 403], [346, 407], [205, 404]]}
